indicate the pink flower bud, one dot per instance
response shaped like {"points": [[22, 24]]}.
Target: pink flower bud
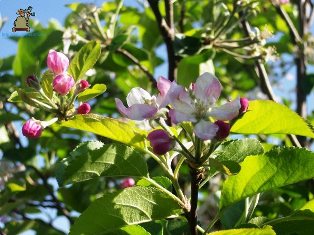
{"points": [[32, 81], [57, 62], [84, 108], [223, 130], [32, 129], [244, 105], [83, 85], [63, 83], [128, 182], [160, 141]]}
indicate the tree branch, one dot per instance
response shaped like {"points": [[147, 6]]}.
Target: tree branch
{"points": [[59, 207], [263, 76], [167, 33], [138, 63]]}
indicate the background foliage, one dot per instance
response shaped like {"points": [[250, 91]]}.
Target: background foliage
{"points": [[133, 44]]}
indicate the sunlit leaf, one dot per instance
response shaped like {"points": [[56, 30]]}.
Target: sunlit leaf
{"points": [[276, 168], [268, 117], [124, 132], [130, 206], [93, 159], [91, 93]]}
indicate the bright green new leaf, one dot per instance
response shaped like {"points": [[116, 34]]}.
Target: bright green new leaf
{"points": [[190, 67], [130, 229], [267, 230], [93, 159], [46, 83], [14, 97], [84, 60], [276, 168], [91, 93], [16, 187], [237, 150], [130, 206], [124, 132], [268, 117]]}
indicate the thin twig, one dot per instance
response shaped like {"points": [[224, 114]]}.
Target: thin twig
{"points": [[167, 34], [138, 63], [265, 83], [59, 206]]}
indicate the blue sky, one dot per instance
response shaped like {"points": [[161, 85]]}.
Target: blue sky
{"points": [[44, 11]]}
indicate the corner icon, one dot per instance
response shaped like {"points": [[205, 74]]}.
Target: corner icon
{"points": [[22, 21]]}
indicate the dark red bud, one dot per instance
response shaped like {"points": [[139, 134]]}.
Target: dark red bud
{"points": [[160, 141], [84, 84], [223, 130], [33, 82], [128, 182], [84, 108]]}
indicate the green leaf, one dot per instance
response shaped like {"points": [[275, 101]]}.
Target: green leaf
{"points": [[14, 97], [130, 206], [237, 150], [267, 230], [124, 132], [301, 222], [162, 180], [91, 93], [190, 67], [16, 187], [276, 168], [93, 159], [84, 60], [283, 121], [46, 83], [131, 229]]}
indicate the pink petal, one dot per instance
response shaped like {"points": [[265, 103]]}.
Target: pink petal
{"points": [[172, 94], [227, 111], [163, 85], [177, 116], [205, 130], [137, 111], [207, 88]]}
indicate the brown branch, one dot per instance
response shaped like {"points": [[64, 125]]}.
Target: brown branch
{"points": [[182, 16], [167, 33], [301, 65], [138, 63], [192, 216], [59, 207]]}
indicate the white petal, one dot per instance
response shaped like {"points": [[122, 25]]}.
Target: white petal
{"points": [[177, 116], [207, 88], [205, 130], [137, 95], [227, 111]]}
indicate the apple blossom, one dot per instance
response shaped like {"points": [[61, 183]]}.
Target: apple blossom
{"points": [[83, 85], [127, 182], [57, 62], [141, 105], [84, 108], [223, 130], [63, 83], [197, 105], [32, 129], [160, 141], [244, 105]]}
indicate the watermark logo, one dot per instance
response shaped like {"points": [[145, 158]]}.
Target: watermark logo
{"points": [[22, 21]]}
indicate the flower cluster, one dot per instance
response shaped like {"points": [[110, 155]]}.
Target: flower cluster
{"points": [[65, 92], [197, 105]]}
